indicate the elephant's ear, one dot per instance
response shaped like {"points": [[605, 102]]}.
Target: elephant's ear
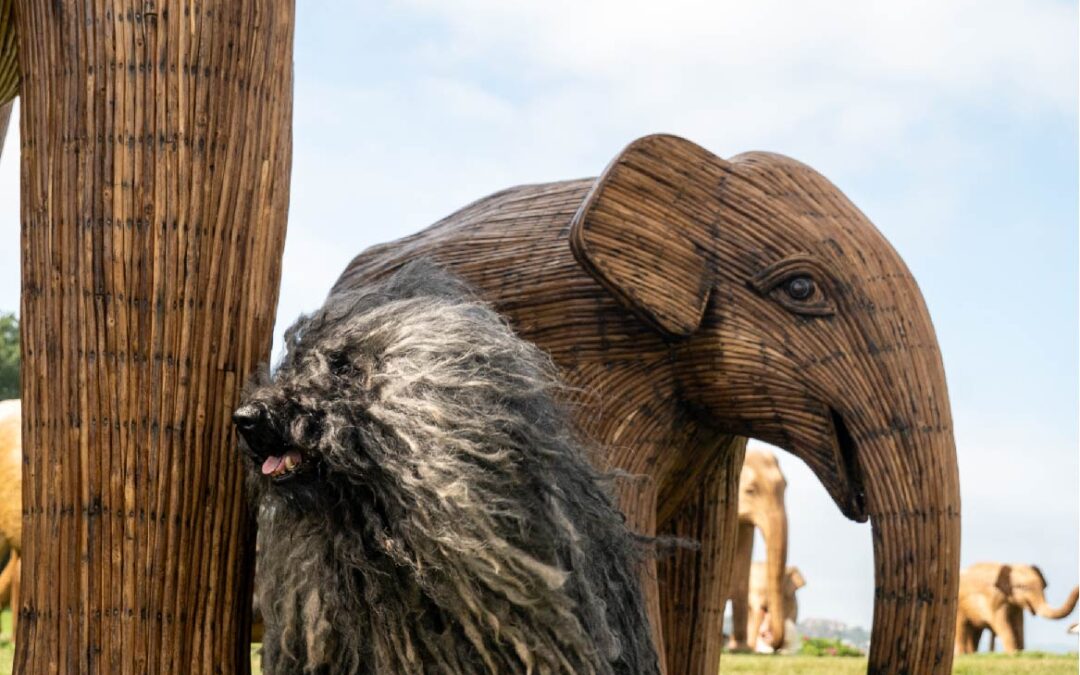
{"points": [[1004, 580], [1038, 573], [796, 576], [644, 229]]}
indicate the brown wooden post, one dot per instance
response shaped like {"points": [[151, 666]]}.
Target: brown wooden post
{"points": [[156, 157]]}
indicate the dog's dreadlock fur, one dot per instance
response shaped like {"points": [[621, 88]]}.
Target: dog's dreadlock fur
{"points": [[444, 518]]}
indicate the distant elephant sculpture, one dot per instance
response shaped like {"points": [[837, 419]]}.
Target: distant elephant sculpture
{"points": [[761, 506], [696, 301], [11, 502], [993, 596], [762, 616]]}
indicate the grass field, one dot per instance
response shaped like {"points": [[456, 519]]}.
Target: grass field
{"points": [[991, 664]]}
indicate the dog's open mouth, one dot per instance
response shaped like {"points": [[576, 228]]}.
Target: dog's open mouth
{"points": [[283, 467]]}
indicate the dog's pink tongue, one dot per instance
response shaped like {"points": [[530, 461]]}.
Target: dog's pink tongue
{"points": [[271, 464]]}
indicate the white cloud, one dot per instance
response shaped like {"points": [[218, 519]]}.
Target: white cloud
{"points": [[955, 46]]}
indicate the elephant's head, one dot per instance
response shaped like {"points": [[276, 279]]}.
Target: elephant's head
{"points": [[1025, 586], [792, 320], [761, 504]]}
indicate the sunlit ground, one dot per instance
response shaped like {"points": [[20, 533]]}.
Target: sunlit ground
{"points": [[992, 664]]}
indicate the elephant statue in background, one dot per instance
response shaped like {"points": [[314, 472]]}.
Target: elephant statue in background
{"points": [[761, 614], [691, 302], [993, 596], [761, 506], [11, 502]]}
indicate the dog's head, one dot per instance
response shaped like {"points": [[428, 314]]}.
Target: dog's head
{"points": [[307, 421], [376, 382]]}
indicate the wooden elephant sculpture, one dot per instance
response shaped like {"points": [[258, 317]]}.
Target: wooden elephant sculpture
{"points": [[993, 596], [696, 301], [11, 503], [760, 506]]}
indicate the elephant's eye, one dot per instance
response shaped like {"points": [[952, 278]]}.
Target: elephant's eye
{"points": [[800, 288], [798, 283]]}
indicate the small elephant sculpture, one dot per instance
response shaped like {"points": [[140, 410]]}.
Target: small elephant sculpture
{"points": [[993, 596], [696, 301], [761, 506], [11, 504]]}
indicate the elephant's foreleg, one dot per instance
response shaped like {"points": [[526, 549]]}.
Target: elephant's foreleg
{"points": [[695, 584], [6, 579], [740, 587], [1002, 627], [972, 636], [753, 627], [1016, 622], [16, 576], [961, 638], [637, 501]]}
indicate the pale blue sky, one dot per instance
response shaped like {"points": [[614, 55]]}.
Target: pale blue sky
{"points": [[952, 125]]}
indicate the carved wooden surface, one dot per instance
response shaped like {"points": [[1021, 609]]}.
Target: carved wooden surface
{"points": [[9, 62], [155, 163], [9, 66], [676, 318]]}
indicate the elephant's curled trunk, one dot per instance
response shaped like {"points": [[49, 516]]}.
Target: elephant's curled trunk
{"points": [[1044, 610]]}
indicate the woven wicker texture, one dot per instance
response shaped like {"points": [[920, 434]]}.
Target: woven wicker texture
{"points": [[9, 54], [695, 301], [156, 156], [9, 66]]}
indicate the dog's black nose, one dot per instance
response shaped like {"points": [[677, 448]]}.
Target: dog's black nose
{"points": [[248, 417]]}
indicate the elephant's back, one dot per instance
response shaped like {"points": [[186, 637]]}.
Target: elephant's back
{"points": [[11, 472], [513, 247]]}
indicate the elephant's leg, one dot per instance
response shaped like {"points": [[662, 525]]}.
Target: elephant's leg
{"points": [[1016, 622], [974, 637], [637, 501], [960, 640], [695, 584], [6, 580], [740, 587], [16, 577], [1002, 627], [753, 626]]}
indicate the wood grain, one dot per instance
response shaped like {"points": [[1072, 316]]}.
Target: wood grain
{"points": [[156, 156]]}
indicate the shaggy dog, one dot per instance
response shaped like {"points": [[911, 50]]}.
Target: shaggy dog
{"points": [[425, 507]]}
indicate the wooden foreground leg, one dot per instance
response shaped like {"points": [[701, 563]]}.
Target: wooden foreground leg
{"points": [[637, 500], [694, 584]]}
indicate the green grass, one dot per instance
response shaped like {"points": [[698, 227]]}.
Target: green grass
{"points": [[7, 647], [1028, 663], [975, 664]]}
